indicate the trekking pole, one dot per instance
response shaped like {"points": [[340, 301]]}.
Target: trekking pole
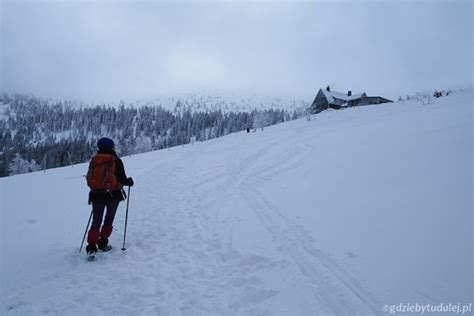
{"points": [[126, 219], [87, 227]]}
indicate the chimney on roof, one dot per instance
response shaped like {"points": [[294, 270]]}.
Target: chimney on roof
{"points": [[349, 93], [328, 88]]}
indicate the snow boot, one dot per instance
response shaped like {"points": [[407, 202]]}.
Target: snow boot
{"points": [[91, 249], [102, 244]]}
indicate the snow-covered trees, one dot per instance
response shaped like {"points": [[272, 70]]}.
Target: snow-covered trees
{"points": [[19, 165], [143, 144], [260, 120], [57, 134]]}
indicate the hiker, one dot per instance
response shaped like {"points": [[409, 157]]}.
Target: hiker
{"points": [[106, 177]]}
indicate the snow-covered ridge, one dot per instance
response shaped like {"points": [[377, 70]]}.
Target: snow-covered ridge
{"points": [[226, 102], [196, 102], [37, 133]]}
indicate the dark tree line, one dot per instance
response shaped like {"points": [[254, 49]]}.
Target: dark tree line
{"points": [[36, 133]]}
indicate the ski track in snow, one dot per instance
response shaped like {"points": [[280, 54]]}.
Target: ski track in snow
{"points": [[185, 251], [204, 260], [331, 285]]}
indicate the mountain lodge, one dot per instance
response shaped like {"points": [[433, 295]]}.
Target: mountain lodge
{"points": [[336, 100]]}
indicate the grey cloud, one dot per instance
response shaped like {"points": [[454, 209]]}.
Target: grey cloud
{"points": [[135, 50]]}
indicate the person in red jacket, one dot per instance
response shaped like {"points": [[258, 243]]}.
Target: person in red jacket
{"points": [[99, 233]]}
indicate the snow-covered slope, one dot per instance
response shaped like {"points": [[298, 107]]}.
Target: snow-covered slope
{"points": [[339, 215]]}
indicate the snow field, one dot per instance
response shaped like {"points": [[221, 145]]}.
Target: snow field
{"points": [[334, 216]]}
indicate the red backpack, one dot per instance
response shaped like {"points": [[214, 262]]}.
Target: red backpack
{"points": [[101, 173]]}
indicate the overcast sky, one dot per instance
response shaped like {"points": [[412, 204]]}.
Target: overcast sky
{"points": [[82, 49]]}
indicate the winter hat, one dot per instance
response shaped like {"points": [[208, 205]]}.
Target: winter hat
{"points": [[105, 143]]}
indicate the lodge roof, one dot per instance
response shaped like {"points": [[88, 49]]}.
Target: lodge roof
{"points": [[331, 95]]}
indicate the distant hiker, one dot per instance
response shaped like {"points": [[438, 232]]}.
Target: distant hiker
{"points": [[438, 94], [105, 177]]}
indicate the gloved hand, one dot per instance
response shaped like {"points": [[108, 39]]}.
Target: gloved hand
{"points": [[130, 181]]}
